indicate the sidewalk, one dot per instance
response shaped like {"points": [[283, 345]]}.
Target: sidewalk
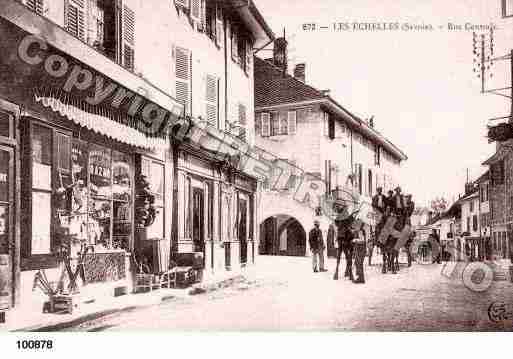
{"points": [[20, 319]]}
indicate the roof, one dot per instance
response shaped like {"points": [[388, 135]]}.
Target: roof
{"points": [[469, 196], [273, 87], [254, 20], [484, 177]]}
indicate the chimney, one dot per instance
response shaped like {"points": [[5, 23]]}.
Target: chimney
{"points": [[371, 122], [300, 72], [325, 92], [280, 54]]}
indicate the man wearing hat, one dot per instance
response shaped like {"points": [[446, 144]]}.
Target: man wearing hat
{"points": [[398, 205], [317, 248], [360, 245]]}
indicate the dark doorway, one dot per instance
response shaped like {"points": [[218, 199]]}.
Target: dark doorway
{"points": [[198, 219], [282, 235], [243, 230], [6, 226]]}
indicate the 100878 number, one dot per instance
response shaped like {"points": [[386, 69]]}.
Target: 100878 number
{"points": [[34, 344]]}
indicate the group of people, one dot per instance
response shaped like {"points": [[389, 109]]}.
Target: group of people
{"points": [[353, 238]]}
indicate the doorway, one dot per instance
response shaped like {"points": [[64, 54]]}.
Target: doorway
{"points": [[243, 230], [198, 220], [6, 226]]}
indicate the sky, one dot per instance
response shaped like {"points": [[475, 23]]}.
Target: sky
{"points": [[419, 85]]}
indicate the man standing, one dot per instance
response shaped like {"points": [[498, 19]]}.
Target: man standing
{"points": [[316, 246], [398, 205], [379, 204], [438, 251], [360, 246]]}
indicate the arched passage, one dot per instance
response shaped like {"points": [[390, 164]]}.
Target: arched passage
{"points": [[282, 235]]}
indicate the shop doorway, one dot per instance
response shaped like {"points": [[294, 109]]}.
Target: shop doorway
{"points": [[6, 226], [198, 220], [243, 230]]}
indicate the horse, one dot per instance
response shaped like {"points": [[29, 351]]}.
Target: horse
{"points": [[345, 244], [389, 248]]}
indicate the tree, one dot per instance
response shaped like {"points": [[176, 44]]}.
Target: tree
{"points": [[438, 205]]}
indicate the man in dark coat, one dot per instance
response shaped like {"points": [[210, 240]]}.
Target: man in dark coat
{"points": [[359, 241], [398, 203], [438, 251], [345, 244], [317, 248]]}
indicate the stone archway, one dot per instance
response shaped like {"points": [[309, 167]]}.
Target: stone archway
{"points": [[282, 235]]}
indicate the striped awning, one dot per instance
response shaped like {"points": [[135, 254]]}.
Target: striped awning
{"points": [[102, 121]]}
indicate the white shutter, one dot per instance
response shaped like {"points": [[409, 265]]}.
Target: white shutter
{"points": [[219, 24], [266, 124], [242, 122], [292, 122], [35, 5], [211, 96], [75, 18], [128, 35], [196, 10], [249, 56], [182, 76], [235, 55], [182, 3]]}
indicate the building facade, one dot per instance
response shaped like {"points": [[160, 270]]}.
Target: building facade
{"points": [[87, 103], [337, 148]]}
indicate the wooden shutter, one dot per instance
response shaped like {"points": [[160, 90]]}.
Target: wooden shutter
{"points": [[265, 124], [249, 55], [75, 20], [242, 122], [211, 99], [128, 36], [182, 3], [35, 5], [292, 122], [234, 50], [182, 76], [219, 24], [196, 10]]}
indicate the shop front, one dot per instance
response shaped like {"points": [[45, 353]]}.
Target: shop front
{"points": [[69, 171], [215, 211]]}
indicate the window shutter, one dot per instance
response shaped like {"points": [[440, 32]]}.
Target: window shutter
{"points": [[35, 5], [202, 25], [249, 56], [234, 43], [128, 35], [211, 99], [196, 10], [242, 122], [182, 3], [292, 122], [75, 22], [219, 24], [265, 124], [182, 76]]}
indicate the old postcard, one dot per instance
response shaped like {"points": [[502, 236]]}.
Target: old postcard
{"points": [[255, 165]]}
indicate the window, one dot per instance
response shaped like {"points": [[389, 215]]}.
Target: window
{"points": [[360, 178], [283, 123], [468, 224], [210, 19], [497, 173], [370, 188], [42, 165], [154, 171], [474, 222], [122, 199], [292, 122], [211, 98], [377, 155], [507, 8], [128, 37], [182, 3], [471, 205], [35, 5], [265, 124], [331, 127], [275, 124], [182, 60], [242, 122], [74, 15], [234, 42]]}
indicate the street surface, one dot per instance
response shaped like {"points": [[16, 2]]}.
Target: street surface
{"points": [[284, 294]]}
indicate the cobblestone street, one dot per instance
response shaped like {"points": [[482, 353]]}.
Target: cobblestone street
{"points": [[282, 293]]}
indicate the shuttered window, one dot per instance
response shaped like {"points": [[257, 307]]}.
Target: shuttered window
{"points": [[128, 34], [211, 99], [292, 122], [183, 76], [283, 123], [234, 42], [265, 124], [182, 3], [196, 10], [219, 24], [75, 22], [242, 122], [35, 5]]}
